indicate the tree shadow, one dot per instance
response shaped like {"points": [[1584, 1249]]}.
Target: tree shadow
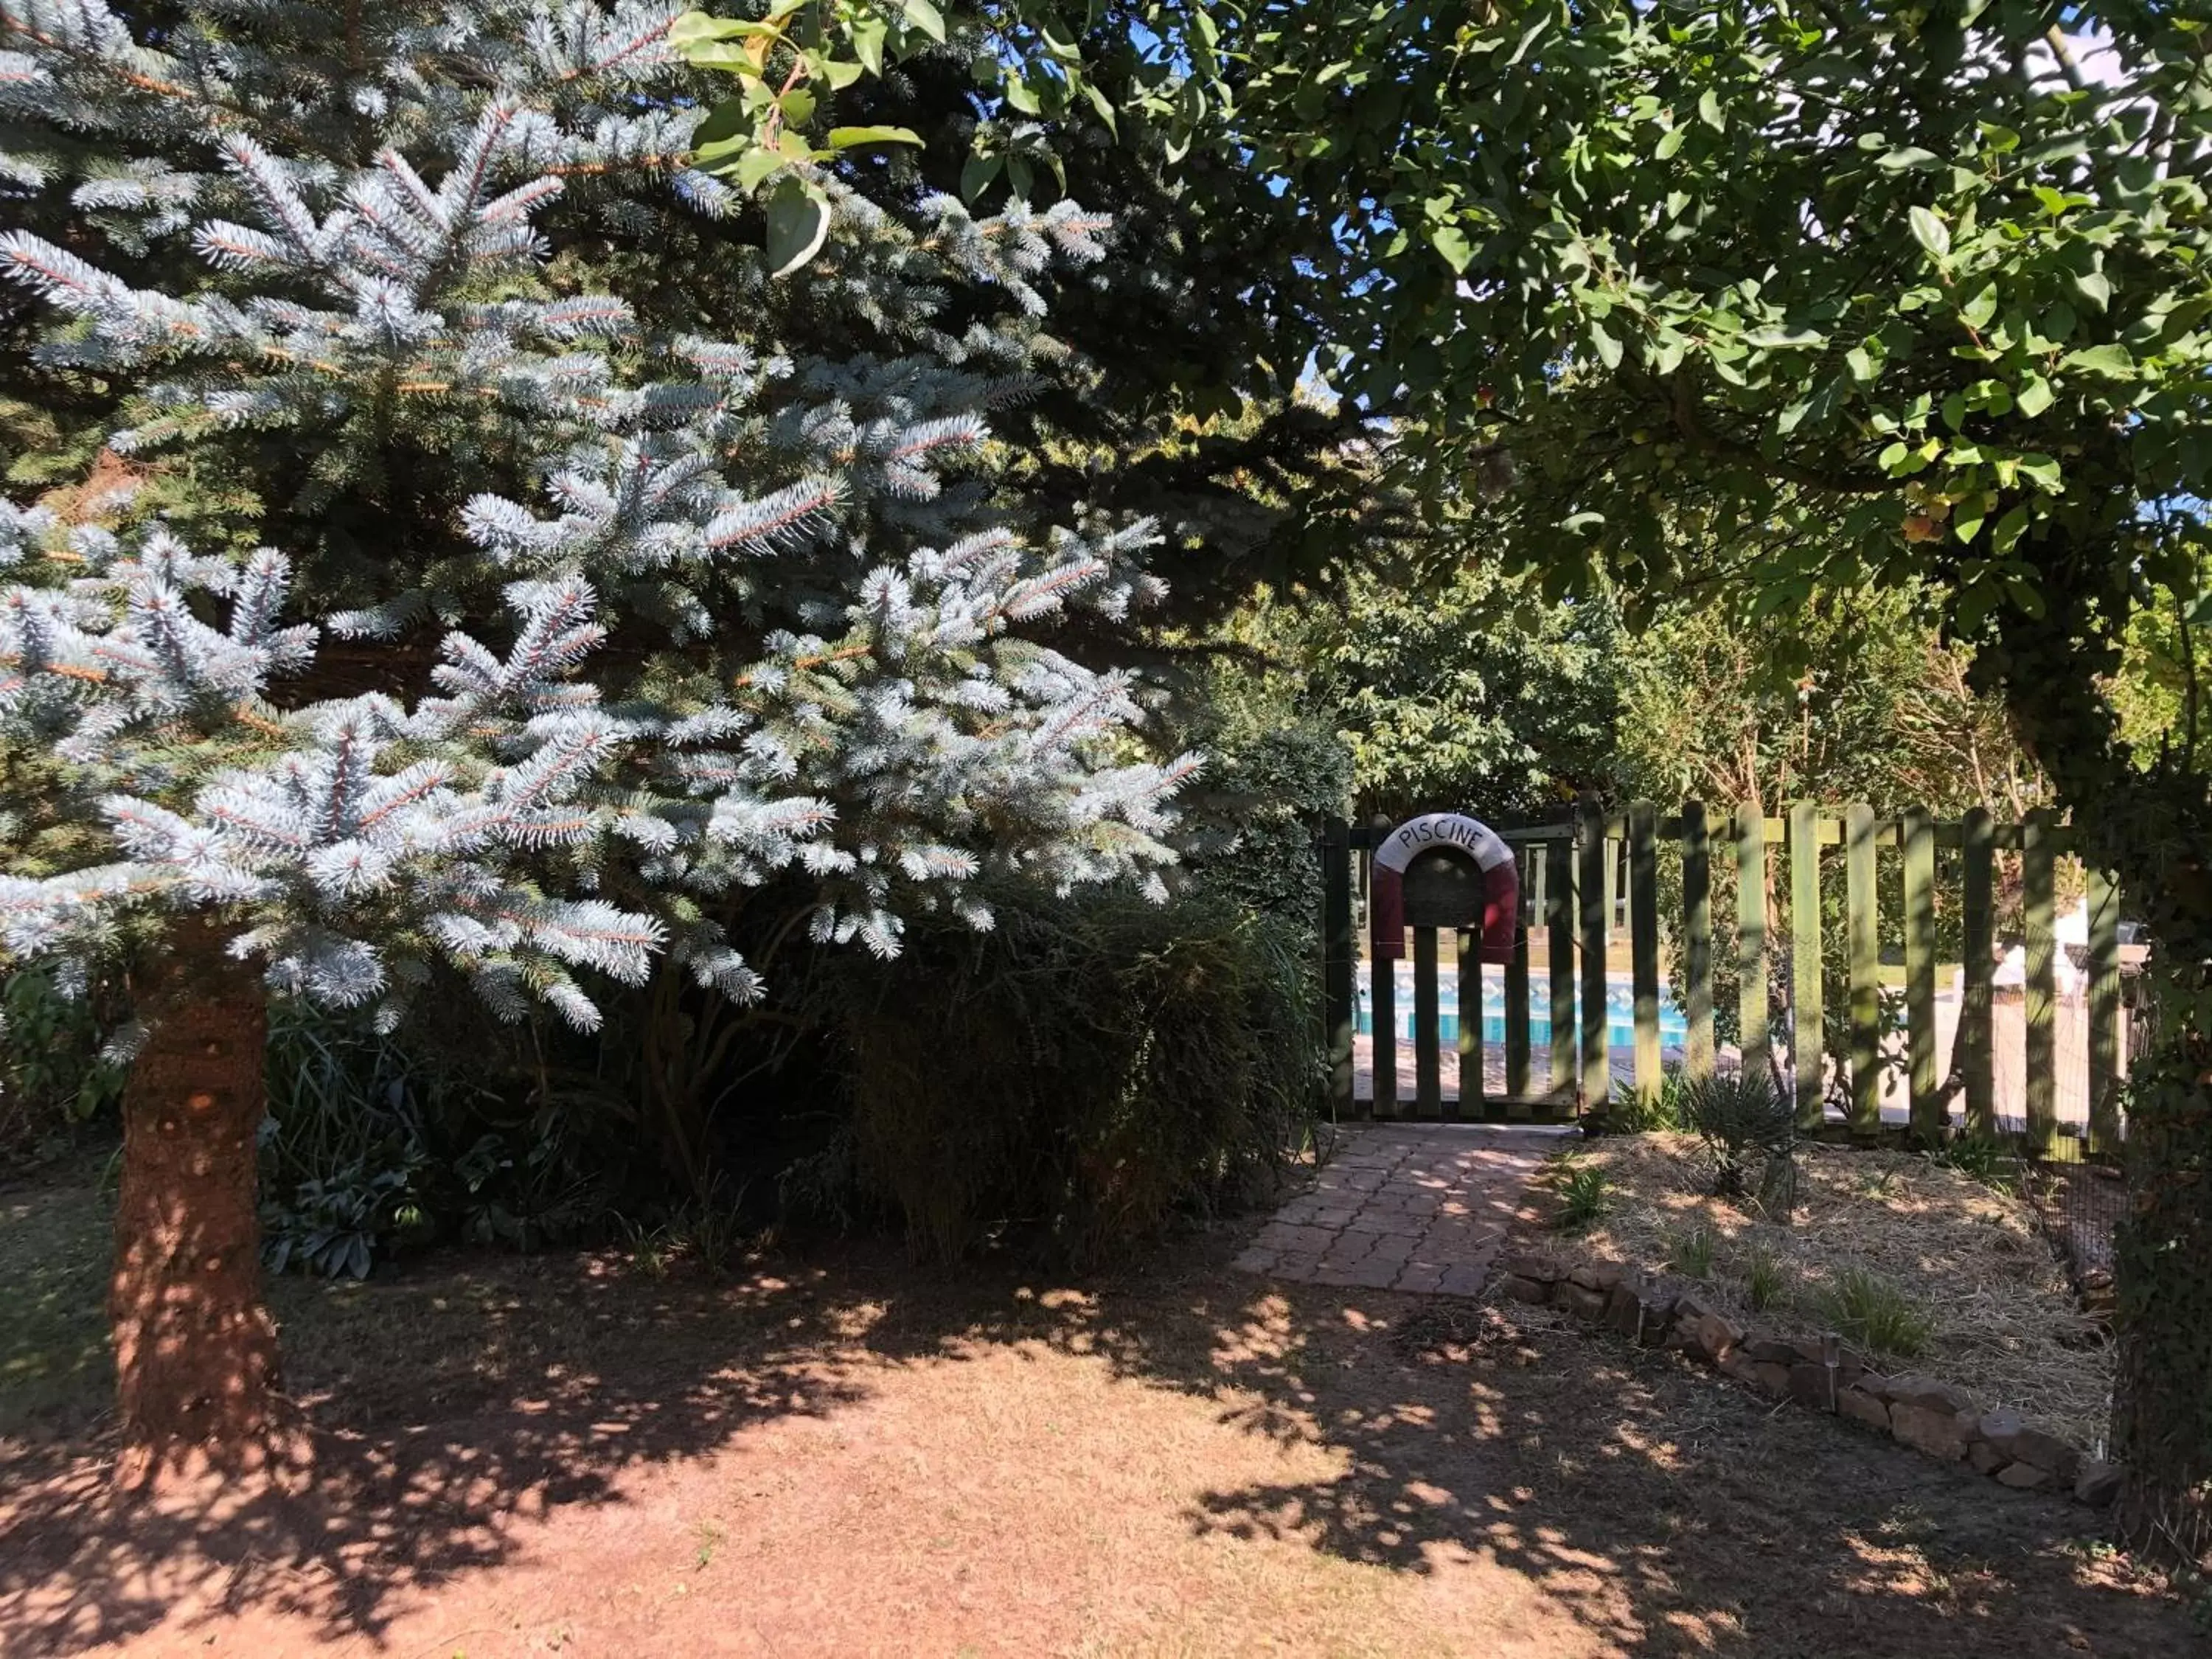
{"points": [[1664, 1510]]}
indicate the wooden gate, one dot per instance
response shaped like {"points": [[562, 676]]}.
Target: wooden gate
{"points": [[1590, 896]]}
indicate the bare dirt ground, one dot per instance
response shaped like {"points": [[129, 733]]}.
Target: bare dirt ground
{"points": [[836, 1454]]}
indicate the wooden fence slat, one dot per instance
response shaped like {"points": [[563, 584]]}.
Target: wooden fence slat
{"points": [[1751, 940], [1697, 939], [1931, 1114], [1559, 918], [1644, 941], [1474, 1084], [1337, 965], [2105, 1014], [1808, 1032], [1977, 1011], [1428, 1030], [2041, 991], [1865, 941], [1596, 890], [1516, 1021], [1382, 998]]}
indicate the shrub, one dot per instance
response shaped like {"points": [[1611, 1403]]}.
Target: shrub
{"points": [[372, 1145], [1871, 1311], [55, 1071], [1738, 1117], [1078, 1074]]}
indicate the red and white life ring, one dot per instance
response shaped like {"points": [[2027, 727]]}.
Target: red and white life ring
{"points": [[1501, 882]]}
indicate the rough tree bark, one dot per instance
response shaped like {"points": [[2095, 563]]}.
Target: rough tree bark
{"points": [[2154, 827], [195, 1347]]}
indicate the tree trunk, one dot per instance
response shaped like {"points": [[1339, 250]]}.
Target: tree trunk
{"points": [[195, 1347], [2162, 1394], [2152, 825]]}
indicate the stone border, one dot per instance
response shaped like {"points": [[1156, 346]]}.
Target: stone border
{"points": [[1820, 1373]]}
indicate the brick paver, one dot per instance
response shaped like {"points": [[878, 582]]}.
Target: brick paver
{"points": [[1406, 1207]]}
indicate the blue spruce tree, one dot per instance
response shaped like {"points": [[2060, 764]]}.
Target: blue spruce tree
{"points": [[695, 616]]}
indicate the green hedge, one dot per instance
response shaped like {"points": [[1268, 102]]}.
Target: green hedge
{"points": [[1079, 1074]]}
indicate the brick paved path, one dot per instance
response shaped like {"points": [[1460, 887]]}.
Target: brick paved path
{"points": [[1405, 1207]]}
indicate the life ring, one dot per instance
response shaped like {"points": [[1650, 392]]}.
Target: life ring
{"points": [[1501, 882]]}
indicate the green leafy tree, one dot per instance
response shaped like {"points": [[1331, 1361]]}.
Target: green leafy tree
{"points": [[1794, 296], [1459, 691]]}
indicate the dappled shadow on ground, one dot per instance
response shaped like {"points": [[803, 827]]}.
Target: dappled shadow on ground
{"points": [[448, 1415], [1654, 1511], [1667, 1512]]}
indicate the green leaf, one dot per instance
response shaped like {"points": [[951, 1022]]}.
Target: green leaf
{"points": [[695, 27], [1103, 105], [1784, 339], [1019, 176], [2044, 471], [2094, 288], [2010, 528], [1608, 348], [727, 120], [976, 175], [2114, 361], [1670, 142], [756, 164], [1451, 242], [1861, 363], [1980, 307], [868, 34], [1906, 155], [838, 72], [798, 106], [798, 224], [1019, 95], [720, 55], [848, 137], [1928, 231], [925, 17], [1709, 110], [2034, 395]]}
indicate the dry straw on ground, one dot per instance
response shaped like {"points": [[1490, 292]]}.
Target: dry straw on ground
{"points": [[1966, 1255]]}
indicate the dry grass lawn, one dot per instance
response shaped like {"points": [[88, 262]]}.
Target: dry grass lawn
{"points": [[838, 1454], [2002, 1320]]}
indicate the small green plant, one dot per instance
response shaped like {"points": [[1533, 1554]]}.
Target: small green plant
{"points": [[1740, 1118], [1584, 1196], [708, 1537], [1868, 1310], [1647, 1113], [1691, 1253], [1765, 1278], [1982, 1157]]}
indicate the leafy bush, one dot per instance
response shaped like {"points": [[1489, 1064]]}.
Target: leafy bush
{"points": [[1076, 1074], [375, 1142], [1871, 1311], [55, 1072], [1738, 1117]]}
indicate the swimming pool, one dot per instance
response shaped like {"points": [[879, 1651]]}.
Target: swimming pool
{"points": [[1620, 1009]]}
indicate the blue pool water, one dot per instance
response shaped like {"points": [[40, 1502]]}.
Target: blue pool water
{"points": [[1620, 1009]]}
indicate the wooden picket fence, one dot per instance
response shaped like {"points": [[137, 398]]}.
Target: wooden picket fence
{"points": [[1576, 878]]}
